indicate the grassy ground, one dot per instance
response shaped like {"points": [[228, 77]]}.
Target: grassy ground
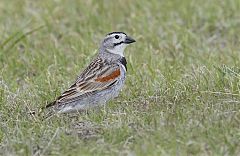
{"points": [[182, 94]]}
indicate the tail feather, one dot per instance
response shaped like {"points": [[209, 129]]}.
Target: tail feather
{"points": [[50, 104], [41, 111], [50, 112]]}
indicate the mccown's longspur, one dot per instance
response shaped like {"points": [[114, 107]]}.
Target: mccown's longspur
{"points": [[101, 80]]}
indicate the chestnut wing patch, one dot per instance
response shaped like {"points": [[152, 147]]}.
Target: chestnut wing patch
{"points": [[94, 81], [109, 77]]}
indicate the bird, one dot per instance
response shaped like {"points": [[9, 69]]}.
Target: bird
{"points": [[101, 81]]}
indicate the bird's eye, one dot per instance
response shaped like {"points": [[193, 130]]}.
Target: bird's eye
{"points": [[116, 36]]}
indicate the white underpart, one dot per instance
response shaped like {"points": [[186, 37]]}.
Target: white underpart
{"points": [[119, 49], [66, 109], [123, 67]]}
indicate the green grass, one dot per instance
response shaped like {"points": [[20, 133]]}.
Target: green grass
{"points": [[181, 97]]}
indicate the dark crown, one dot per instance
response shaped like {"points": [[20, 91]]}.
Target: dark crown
{"points": [[117, 33]]}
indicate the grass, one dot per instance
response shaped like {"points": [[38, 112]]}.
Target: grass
{"points": [[181, 96]]}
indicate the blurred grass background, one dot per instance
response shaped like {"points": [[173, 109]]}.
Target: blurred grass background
{"points": [[182, 91]]}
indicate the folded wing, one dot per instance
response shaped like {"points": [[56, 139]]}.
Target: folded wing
{"points": [[98, 76]]}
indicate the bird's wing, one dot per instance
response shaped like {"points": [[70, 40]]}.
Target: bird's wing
{"points": [[98, 76]]}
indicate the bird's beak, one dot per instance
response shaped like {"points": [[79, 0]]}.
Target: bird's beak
{"points": [[129, 40]]}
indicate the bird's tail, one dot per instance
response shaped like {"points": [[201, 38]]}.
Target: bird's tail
{"points": [[41, 111], [50, 104], [50, 112]]}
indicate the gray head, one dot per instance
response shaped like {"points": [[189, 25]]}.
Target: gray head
{"points": [[116, 42]]}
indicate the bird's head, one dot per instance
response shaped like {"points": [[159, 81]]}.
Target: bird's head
{"points": [[116, 42]]}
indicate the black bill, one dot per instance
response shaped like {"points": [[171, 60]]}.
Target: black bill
{"points": [[129, 40]]}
